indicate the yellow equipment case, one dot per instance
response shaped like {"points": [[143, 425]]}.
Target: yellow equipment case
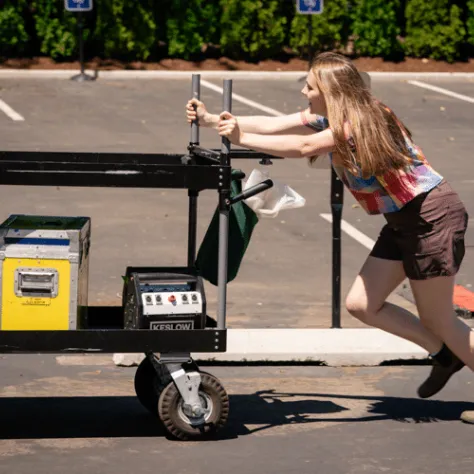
{"points": [[44, 270]]}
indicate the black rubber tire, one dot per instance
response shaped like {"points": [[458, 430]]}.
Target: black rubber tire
{"points": [[149, 385], [168, 410]]}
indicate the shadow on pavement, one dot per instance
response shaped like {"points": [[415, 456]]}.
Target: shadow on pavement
{"points": [[410, 410], [102, 417]]}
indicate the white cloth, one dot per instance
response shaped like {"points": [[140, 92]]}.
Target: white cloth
{"points": [[270, 202]]}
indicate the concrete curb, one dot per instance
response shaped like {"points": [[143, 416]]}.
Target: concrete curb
{"points": [[332, 347], [277, 75]]}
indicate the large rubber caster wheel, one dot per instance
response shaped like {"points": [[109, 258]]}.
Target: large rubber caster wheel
{"points": [[182, 425], [149, 385]]}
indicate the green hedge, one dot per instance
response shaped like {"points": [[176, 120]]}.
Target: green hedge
{"points": [[251, 28], [125, 29], [434, 29], [190, 26], [240, 29], [470, 22], [13, 35], [375, 28], [55, 29]]}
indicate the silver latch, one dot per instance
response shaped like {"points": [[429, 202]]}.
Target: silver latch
{"points": [[39, 282]]}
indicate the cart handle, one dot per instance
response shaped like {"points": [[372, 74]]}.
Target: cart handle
{"points": [[258, 188], [196, 93]]}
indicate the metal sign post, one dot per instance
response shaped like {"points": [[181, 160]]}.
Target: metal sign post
{"points": [[79, 7], [315, 7], [310, 7], [337, 204]]}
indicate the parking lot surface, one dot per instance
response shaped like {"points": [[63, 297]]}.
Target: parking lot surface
{"points": [[56, 416]]}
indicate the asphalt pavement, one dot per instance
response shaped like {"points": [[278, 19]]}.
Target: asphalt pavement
{"points": [[58, 417]]}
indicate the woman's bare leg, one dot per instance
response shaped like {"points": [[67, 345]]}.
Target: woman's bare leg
{"points": [[366, 301]]}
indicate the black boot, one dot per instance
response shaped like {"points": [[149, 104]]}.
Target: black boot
{"points": [[445, 364]]}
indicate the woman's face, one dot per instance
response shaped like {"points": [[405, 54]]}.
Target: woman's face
{"points": [[316, 102]]}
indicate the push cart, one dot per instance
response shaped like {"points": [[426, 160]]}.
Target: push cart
{"points": [[190, 403]]}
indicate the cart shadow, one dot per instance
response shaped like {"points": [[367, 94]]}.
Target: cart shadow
{"points": [[76, 417], [267, 409], [112, 417]]}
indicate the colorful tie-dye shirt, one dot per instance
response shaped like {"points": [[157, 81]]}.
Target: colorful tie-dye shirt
{"points": [[390, 192]]}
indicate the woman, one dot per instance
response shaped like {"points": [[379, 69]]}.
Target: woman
{"points": [[374, 155]]}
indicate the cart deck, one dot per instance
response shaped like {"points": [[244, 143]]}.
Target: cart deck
{"points": [[107, 335]]}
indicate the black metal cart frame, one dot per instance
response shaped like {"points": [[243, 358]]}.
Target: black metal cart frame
{"points": [[190, 403], [199, 169]]}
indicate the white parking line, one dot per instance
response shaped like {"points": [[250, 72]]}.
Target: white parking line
{"points": [[4, 107], [350, 230], [442, 91], [345, 226], [243, 100]]}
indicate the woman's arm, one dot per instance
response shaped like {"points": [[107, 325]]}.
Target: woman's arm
{"points": [[288, 146], [299, 123]]}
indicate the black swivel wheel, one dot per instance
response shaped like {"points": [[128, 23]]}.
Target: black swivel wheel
{"points": [[181, 423]]}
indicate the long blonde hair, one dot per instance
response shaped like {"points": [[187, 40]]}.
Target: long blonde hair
{"points": [[377, 133]]}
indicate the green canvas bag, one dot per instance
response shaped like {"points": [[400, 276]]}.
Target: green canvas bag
{"points": [[242, 221]]}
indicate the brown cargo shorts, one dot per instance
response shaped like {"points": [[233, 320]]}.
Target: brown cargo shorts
{"points": [[427, 234]]}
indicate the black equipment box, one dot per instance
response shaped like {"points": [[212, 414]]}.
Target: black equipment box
{"points": [[163, 299]]}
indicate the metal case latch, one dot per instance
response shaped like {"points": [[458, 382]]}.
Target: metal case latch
{"points": [[40, 282]]}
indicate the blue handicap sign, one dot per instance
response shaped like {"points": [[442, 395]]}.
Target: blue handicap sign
{"points": [[78, 5], [309, 7]]}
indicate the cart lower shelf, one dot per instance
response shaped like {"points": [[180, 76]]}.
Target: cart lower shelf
{"points": [[106, 334]]}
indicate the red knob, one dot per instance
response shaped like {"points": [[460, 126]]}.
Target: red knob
{"points": [[172, 299]]}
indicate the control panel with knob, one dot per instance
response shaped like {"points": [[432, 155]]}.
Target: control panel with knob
{"points": [[172, 303]]}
